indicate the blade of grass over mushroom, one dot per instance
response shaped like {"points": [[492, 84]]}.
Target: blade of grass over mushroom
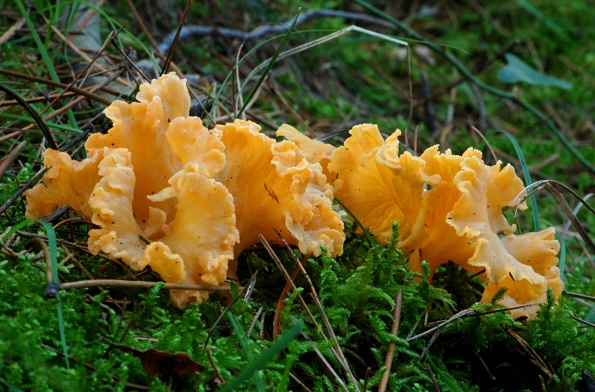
{"points": [[526, 174], [551, 185], [490, 89], [44, 54], [266, 356], [246, 349], [269, 66], [357, 222], [562, 258]]}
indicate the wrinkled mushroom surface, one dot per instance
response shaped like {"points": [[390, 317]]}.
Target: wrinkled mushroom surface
{"points": [[164, 191]]}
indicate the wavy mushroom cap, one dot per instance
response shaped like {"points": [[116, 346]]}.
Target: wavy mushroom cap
{"points": [[527, 309], [202, 235], [477, 216], [276, 190], [67, 182], [314, 150], [377, 184], [538, 251], [432, 237], [168, 193], [118, 233], [196, 245], [141, 128], [173, 94], [165, 192]]}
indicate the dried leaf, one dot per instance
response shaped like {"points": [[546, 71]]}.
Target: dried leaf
{"points": [[162, 363]]}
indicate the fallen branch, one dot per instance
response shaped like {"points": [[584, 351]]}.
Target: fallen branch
{"points": [[136, 284]]}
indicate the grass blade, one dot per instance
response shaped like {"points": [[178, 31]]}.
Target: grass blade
{"points": [[9, 386], [445, 377], [551, 185], [246, 348], [269, 66], [44, 54], [228, 307], [266, 356], [33, 113], [562, 259], [54, 260], [172, 49]]}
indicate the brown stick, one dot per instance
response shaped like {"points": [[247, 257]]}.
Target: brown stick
{"points": [[391, 346], [129, 283]]}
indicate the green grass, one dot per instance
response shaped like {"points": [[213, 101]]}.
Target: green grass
{"points": [[328, 87]]}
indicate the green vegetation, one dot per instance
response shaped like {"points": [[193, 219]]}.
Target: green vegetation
{"points": [[334, 331]]}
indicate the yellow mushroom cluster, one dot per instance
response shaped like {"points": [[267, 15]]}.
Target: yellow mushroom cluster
{"points": [[166, 192], [449, 208]]}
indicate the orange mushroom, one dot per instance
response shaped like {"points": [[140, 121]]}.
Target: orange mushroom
{"points": [[314, 150], [449, 208], [196, 246], [144, 181], [432, 238], [65, 182], [377, 184], [168, 193], [141, 128], [537, 251], [276, 190]]}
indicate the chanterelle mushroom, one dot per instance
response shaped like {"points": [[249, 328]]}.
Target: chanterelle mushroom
{"points": [[277, 190], [449, 208], [166, 192]]}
